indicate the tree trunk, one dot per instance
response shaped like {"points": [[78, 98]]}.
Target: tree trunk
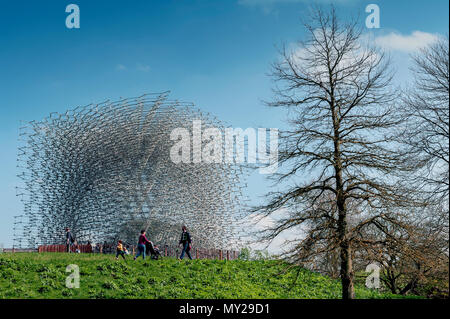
{"points": [[410, 286], [348, 291], [393, 284]]}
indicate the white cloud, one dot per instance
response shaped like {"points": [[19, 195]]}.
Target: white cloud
{"points": [[120, 67], [406, 43], [258, 223], [300, 54], [143, 67], [139, 67]]}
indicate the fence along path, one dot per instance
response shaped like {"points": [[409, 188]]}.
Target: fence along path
{"points": [[166, 251], [201, 253], [63, 248]]}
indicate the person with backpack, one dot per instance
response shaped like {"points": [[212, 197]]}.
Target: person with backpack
{"points": [[141, 245], [185, 240], [70, 239]]}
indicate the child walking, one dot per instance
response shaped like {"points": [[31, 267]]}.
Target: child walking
{"points": [[120, 250]]}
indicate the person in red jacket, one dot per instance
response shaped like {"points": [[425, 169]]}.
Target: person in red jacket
{"points": [[141, 245]]}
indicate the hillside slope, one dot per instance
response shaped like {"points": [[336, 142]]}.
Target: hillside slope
{"points": [[32, 275]]}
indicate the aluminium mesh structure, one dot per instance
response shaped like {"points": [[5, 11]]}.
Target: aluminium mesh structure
{"points": [[104, 170]]}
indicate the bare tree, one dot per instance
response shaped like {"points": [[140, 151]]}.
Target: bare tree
{"points": [[414, 257], [339, 152], [420, 255], [426, 105]]}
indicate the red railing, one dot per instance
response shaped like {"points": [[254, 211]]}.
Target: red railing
{"points": [[63, 248], [201, 253], [197, 253]]}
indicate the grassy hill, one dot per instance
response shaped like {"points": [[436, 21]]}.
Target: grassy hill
{"points": [[33, 275]]}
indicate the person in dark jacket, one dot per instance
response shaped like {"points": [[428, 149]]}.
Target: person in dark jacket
{"points": [[185, 240], [70, 239]]}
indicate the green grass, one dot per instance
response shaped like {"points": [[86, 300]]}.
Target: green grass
{"points": [[33, 275]]}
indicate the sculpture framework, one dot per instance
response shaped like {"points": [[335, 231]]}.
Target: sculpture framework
{"points": [[104, 171]]}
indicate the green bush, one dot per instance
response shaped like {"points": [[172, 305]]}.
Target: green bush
{"points": [[245, 254]]}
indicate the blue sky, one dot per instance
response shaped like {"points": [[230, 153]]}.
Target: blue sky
{"points": [[215, 54]]}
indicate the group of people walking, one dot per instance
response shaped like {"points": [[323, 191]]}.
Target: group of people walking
{"points": [[144, 246], [144, 243]]}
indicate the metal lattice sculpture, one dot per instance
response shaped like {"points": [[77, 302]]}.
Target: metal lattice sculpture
{"points": [[104, 170]]}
